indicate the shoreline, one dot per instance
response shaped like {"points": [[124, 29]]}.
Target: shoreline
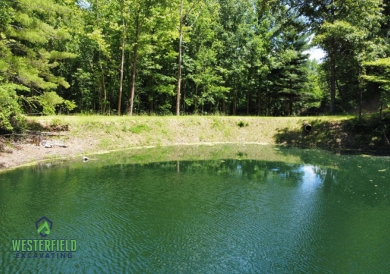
{"points": [[69, 155], [89, 135]]}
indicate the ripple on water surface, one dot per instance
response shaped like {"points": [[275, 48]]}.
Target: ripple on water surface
{"points": [[201, 217]]}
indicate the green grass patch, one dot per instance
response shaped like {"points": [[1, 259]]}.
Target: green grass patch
{"points": [[139, 128]]}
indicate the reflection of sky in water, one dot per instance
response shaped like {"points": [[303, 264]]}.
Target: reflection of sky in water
{"points": [[310, 178], [238, 171]]}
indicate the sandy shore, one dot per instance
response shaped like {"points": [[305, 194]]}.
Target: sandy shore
{"points": [[19, 153]]}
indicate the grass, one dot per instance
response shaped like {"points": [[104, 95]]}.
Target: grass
{"points": [[118, 132], [139, 128]]}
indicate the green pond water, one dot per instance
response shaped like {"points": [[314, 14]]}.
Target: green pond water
{"points": [[288, 211]]}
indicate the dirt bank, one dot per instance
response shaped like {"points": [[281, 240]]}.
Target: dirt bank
{"points": [[92, 134]]}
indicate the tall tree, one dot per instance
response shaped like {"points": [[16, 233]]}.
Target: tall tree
{"points": [[31, 34], [185, 9], [342, 33]]}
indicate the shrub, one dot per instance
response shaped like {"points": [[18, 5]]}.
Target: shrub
{"points": [[242, 124]]}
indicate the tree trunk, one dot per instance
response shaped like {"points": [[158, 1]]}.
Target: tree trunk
{"points": [[332, 83], [248, 93], [102, 83], [259, 100], [291, 99], [184, 98], [152, 100], [179, 60], [134, 70], [235, 103], [103, 104], [385, 138], [122, 66], [332, 67], [247, 102], [340, 91], [196, 98], [361, 87]]}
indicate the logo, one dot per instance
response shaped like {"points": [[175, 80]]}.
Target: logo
{"points": [[44, 226], [44, 248]]}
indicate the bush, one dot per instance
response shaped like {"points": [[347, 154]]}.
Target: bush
{"points": [[242, 124], [49, 100]]}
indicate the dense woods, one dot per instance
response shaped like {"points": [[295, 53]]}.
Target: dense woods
{"points": [[233, 57]]}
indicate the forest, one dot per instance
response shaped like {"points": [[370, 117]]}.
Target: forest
{"points": [[180, 57]]}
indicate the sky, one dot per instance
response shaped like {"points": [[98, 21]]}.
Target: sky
{"points": [[316, 53]]}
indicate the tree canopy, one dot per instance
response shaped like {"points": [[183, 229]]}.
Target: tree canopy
{"points": [[234, 57]]}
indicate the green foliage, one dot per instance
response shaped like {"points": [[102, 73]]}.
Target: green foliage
{"points": [[49, 101], [69, 105], [31, 33], [28, 53], [349, 41], [380, 74], [10, 111], [238, 56]]}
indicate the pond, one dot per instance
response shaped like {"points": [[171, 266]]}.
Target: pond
{"points": [[246, 209]]}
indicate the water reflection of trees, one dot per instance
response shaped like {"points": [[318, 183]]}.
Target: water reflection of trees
{"points": [[360, 178]]}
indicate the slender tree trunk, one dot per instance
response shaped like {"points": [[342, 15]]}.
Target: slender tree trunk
{"points": [[361, 87], [102, 83], [122, 66], [102, 88], [223, 106], [332, 83], [247, 102], [235, 103], [134, 70], [360, 102], [196, 98], [332, 67], [387, 142], [151, 107], [179, 61], [340, 91], [99, 103], [184, 97], [259, 105], [248, 93], [291, 99], [103, 104], [152, 99]]}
